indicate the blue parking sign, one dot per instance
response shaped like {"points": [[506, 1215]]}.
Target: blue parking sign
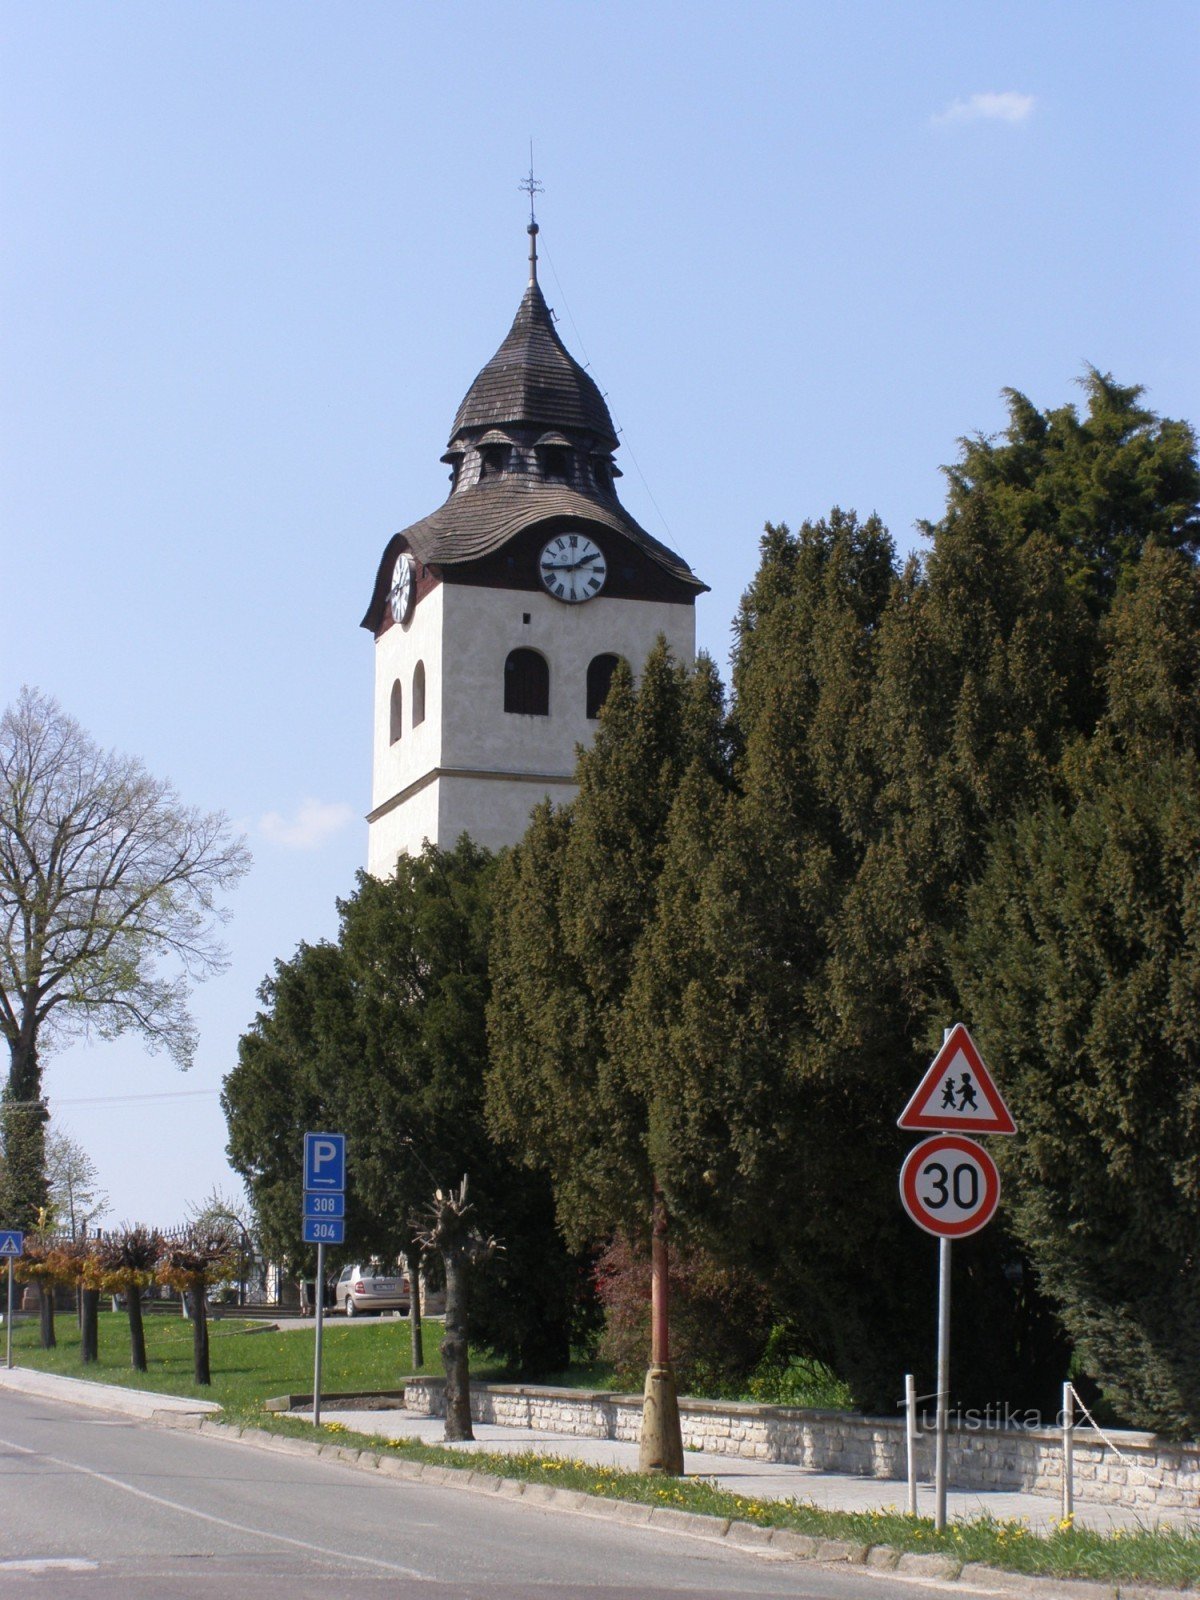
{"points": [[325, 1161]]}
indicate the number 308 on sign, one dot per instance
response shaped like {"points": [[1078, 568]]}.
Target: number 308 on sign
{"points": [[950, 1186]]}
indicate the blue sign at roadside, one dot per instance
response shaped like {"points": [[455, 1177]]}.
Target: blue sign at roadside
{"points": [[318, 1230], [324, 1205], [325, 1161], [12, 1243]]}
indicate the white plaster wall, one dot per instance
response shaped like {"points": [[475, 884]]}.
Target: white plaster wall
{"points": [[493, 812], [463, 634], [396, 655], [481, 626], [403, 831]]}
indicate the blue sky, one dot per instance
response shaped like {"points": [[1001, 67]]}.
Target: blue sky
{"points": [[252, 256]]}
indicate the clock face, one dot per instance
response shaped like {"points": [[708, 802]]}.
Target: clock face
{"points": [[572, 567], [403, 590]]}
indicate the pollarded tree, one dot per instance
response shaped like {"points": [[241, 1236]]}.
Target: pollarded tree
{"points": [[127, 1261], [104, 875], [448, 1228], [193, 1261]]}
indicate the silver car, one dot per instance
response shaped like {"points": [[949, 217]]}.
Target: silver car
{"points": [[371, 1288]]}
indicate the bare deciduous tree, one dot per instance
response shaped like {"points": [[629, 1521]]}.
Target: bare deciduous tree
{"points": [[104, 875]]}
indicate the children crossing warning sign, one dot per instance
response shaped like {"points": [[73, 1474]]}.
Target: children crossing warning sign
{"points": [[957, 1093]]}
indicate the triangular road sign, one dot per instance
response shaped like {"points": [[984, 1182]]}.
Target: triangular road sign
{"points": [[957, 1094]]}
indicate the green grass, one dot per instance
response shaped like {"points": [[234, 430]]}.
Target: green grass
{"points": [[1162, 1555], [249, 1364]]}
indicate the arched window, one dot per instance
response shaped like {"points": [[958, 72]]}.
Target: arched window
{"points": [[527, 684], [397, 709], [418, 709], [599, 681]]}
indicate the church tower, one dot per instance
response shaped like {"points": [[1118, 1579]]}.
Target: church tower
{"points": [[499, 619]]}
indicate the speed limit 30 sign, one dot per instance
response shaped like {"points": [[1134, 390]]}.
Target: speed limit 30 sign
{"points": [[950, 1186]]}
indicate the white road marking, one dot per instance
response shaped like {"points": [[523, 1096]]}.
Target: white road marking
{"points": [[221, 1522], [50, 1564]]}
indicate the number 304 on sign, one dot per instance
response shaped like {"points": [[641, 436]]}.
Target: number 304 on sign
{"points": [[950, 1186]]}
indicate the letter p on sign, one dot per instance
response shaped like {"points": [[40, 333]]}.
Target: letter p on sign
{"points": [[325, 1161]]}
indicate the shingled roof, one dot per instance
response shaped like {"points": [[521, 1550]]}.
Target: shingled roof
{"points": [[533, 380], [530, 395], [476, 521]]}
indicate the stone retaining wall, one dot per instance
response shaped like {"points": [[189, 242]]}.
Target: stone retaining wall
{"points": [[1154, 1473]]}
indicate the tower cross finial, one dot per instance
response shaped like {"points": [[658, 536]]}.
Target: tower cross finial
{"points": [[531, 186]]}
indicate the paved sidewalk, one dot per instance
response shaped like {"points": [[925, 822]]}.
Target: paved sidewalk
{"points": [[758, 1480], [103, 1396]]}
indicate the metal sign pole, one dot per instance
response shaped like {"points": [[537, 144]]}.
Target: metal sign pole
{"points": [[8, 1319], [910, 1439], [1068, 1437], [320, 1287], [943, 1384]]}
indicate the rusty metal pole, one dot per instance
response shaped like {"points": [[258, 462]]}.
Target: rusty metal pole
{"points": [[660, 1291], [661, 1447]]}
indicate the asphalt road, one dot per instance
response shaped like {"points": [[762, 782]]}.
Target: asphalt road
{"points": [[100, 1506]]}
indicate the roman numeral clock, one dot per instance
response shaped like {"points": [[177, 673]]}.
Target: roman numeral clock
{"points": [[499, 619]]}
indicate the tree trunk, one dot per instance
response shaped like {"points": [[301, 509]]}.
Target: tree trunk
{"points": [[200, 1333], [137, 1330], [413, 1258], [46, 1314], [89, 1325], [454, 1348], [23, 1125]]}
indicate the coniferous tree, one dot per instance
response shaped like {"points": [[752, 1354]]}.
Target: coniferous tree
{"points": [[1081, 960], [795, 977], [573, 900], [382, 1036]]}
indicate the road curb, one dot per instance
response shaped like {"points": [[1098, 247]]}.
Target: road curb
{"points": [[751, 1538]]}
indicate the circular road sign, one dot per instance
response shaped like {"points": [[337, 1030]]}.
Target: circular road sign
{"points": [[950, 1186]]}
